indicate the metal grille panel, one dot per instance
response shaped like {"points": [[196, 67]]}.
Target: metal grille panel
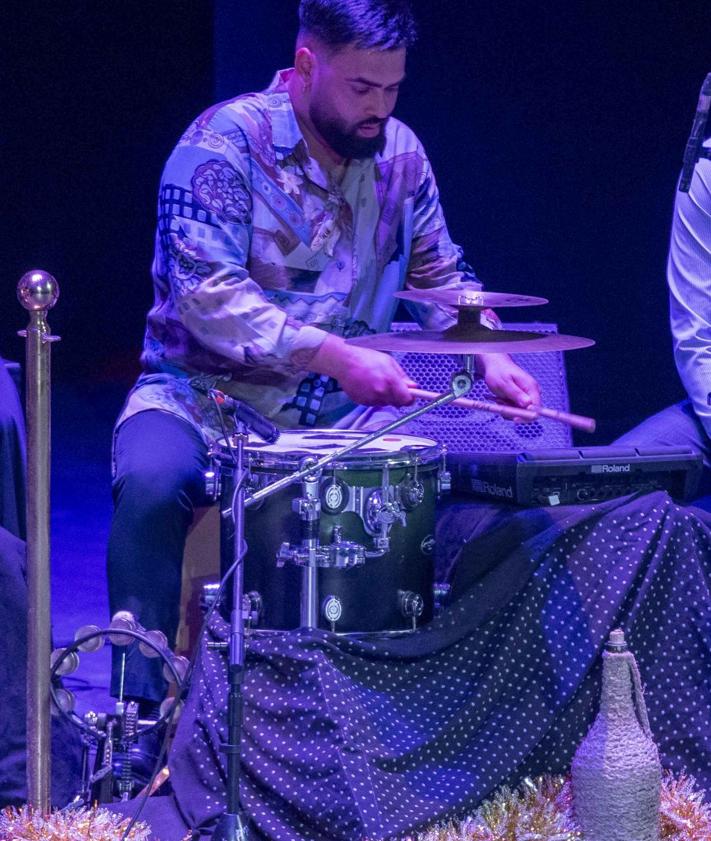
{"points": [[466, 431]]}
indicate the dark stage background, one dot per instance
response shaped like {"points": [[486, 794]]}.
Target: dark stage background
{"points": [[555, 129]]}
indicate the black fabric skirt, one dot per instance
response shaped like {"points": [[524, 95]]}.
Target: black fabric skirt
{"points": [[373, 738]]}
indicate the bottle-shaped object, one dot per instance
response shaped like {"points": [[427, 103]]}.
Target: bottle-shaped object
{"points": [[616, 770]]}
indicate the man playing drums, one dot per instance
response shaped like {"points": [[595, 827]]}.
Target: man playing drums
{"points": [[287, 220]]}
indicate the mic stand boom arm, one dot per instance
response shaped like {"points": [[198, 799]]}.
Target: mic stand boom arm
{"points": [[461, 385], [694, 145]]}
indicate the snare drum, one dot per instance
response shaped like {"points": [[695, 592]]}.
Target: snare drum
{"points": [[376, 553]]}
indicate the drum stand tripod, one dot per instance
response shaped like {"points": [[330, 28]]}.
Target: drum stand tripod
{"points": [[233, 825]]}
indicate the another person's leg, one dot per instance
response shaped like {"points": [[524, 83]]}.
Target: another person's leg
{"points": [[675, 426], [12, 457], [160, 464]]}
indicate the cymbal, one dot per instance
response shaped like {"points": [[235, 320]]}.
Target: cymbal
{"points": [[472, 341], [468, 295]]}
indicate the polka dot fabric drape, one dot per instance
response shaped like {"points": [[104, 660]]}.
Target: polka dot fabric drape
{"points": [[369, 739]]}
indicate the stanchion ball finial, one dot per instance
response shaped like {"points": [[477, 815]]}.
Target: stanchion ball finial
{"points": [[37, 290]]}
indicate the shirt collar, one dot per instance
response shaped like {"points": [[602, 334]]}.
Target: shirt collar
{"points": [[286, 134]]}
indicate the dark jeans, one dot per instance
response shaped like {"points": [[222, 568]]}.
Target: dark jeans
{"points": [[676, 426], [160, 462]]}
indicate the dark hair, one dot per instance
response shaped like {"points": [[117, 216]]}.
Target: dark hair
{"points": [[365, 24]]}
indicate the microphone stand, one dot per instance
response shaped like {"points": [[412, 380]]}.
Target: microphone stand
{"points": [[695, 149], [233, 824]]}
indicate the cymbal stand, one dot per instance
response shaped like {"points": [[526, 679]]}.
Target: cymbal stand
{"points": [[310, 513]]}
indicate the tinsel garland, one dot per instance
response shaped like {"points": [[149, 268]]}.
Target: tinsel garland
{"points": [[539, 810], [684, 814], [542, 810], [26, 824]]}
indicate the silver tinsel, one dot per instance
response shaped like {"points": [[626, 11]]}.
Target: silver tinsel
{"points": [[542, 810]]}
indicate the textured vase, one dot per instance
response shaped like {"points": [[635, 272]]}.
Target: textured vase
{"points": [[616, 770]]}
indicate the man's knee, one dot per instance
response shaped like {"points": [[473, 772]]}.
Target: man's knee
{"points": [[159, 463], [154, 489]]}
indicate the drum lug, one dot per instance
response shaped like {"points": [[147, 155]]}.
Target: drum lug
{"points": [[412, 605], [441, 596], [332, 610], [412, 492], [444, 477], [208, 596], [378, 518], [212, 483], [444, 482], [252, 608], [335, 495], [379, 515]]}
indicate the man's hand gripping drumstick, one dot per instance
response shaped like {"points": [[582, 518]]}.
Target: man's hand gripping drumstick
{"points": [[373, 378]]}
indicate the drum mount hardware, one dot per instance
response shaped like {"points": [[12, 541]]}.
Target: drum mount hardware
{"points": [[339, 554]]}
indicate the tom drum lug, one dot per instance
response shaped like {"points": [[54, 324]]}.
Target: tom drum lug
{"points": [[212, 483], [332, 610], [412, 492], [444, 477], [252, 605], [412, 605]]}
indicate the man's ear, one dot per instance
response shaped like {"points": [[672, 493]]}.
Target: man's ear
{"points": [[304, 64]]}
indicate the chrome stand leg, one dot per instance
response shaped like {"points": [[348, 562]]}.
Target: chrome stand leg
{"points": [[309, 596]]}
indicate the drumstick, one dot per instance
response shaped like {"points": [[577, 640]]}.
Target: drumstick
{"points": [[576, 421]]}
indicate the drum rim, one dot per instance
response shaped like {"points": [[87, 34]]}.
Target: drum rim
{"points": [[427, 455]]}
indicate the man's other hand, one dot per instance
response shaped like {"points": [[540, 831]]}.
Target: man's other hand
{"points": [[509, 382]]}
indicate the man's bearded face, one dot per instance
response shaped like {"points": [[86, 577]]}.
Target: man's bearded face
{"points": [[363, 139], [353, 94]]}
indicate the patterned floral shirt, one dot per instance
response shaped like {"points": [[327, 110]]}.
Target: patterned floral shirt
{"points": [[259, 254]]}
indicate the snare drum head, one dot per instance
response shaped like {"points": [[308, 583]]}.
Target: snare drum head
{"points": [[294, 444]]}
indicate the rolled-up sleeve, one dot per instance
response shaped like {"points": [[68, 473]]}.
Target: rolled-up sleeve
{"points": [[205, 230], [689, 278]]}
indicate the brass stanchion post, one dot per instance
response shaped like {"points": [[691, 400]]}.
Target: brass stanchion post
{"points": [[38, 292]]}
